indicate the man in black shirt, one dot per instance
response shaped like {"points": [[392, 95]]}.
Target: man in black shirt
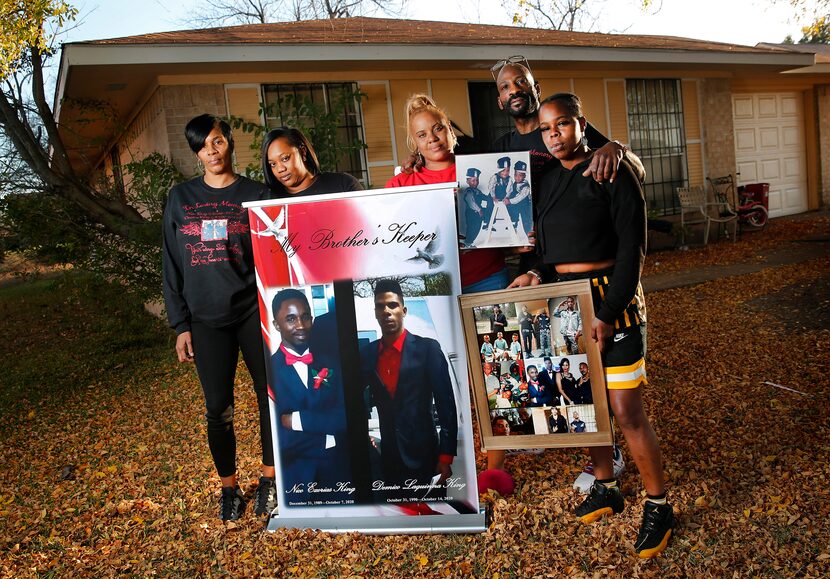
{"points": [[526, 325], [519, 96], [498, 321]]}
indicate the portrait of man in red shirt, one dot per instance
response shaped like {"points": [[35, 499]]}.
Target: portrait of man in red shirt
{"points": [[409, 383]]}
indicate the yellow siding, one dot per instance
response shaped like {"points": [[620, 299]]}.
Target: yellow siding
{"points": [[618, 123], [243, 102], [591, 92], [811, 127], [691, 110], [378, 176], [551, 86], [694, 161], [376, 123], [402, 90], [451, 95]]}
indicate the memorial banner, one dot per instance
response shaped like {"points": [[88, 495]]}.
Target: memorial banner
{"points": [[367, 375]]}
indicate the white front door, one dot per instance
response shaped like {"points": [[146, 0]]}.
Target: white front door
{"points": [[770, 147]]}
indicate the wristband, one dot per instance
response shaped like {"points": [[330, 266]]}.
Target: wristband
{"points": [[535, 274]]}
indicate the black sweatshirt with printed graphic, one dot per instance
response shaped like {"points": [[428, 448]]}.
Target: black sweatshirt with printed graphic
{"points": [[207, 257]]}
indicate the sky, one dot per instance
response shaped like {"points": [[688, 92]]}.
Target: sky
{"points": [[745, 22]]}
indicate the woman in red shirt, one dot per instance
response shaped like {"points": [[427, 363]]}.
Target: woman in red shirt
{"points": [[430, 135]]}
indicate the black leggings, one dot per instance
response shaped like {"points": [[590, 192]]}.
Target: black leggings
{"points": [[216, 353]]}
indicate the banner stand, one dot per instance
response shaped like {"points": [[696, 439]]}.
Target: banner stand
{"points": [[387, 525], [355, 451]]}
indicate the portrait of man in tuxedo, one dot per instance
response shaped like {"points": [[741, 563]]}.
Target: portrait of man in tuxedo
{"points": [[409, 383], [311, 421]]}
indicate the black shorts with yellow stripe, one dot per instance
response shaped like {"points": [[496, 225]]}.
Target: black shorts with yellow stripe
{"points": [[624, 352]]}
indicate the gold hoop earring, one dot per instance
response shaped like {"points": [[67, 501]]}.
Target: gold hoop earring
{"points": [[200, 165]]}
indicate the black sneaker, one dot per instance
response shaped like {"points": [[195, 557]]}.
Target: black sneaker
{"points": [[655, 531], [231, 504], [600, 501], [266, 496]]}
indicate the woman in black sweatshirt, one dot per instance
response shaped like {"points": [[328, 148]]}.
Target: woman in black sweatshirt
{"points": [[211, 299]]}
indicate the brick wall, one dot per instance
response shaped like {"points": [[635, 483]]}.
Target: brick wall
{"points": [[146, 134], [182, 103], [823, 101], [718, 131]]}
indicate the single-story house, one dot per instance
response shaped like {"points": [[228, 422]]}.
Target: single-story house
{"points": [[689, 108]]}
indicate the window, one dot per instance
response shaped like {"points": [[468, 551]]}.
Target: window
{"points": [[655, 128], [489, 121], [319, 300], [330, 96]]}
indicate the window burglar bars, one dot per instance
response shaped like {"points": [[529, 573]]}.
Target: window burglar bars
{"points": [[655, 129], [349, 129]]}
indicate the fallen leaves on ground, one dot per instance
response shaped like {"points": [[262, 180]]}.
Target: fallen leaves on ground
{"points": [[749, 248], [109, 481]]}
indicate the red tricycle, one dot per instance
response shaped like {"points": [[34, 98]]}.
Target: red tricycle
{"points": [[753, 202], [752, 207]]}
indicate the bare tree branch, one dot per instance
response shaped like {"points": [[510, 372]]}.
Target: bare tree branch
{"points": [[229, 12], [572, 15]]}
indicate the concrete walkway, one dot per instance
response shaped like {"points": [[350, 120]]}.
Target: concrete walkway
{"points": [[787, 253]]}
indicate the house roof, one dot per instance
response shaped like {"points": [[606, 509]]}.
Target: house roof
{"points": [[123, 72], [821, 51], [364, 30]]}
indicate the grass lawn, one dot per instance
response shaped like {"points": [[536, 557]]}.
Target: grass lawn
{"points": [[68, 333], [106, 469]]}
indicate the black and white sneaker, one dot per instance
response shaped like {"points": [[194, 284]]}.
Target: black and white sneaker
{"points": [[655, 532], [600, 501], [266, 497], [586, 478], [231, 504]]}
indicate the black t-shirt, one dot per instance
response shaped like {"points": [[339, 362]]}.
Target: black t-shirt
{"points": [[498, 322], [325, 183], [583, 393], [540, 158], [207, 257]]}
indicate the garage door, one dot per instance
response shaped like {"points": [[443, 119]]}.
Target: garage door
{"points": [[770, 147]]}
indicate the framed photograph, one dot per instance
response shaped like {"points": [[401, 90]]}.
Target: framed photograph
{"points": [[370, 412], [494, 202], [537, 379]]}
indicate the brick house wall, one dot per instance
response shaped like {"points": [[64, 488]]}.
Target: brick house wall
{"points": [[718, 129], [181, 103]]}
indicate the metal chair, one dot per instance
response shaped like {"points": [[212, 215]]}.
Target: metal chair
{"points": [[693, 201], [723, 192]]}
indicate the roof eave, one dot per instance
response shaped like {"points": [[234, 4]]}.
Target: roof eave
{"points": [[79, 54]]}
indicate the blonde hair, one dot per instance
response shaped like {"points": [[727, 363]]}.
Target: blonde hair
{"points": [[420, 103]]}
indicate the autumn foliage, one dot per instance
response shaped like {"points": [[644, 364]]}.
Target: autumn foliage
{"points": [[106, 471]]}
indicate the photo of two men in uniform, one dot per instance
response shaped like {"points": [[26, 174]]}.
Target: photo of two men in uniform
{"points": [[494, 200]]}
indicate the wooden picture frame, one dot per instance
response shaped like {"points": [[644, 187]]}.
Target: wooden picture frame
{"points": [[522, 401]]}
